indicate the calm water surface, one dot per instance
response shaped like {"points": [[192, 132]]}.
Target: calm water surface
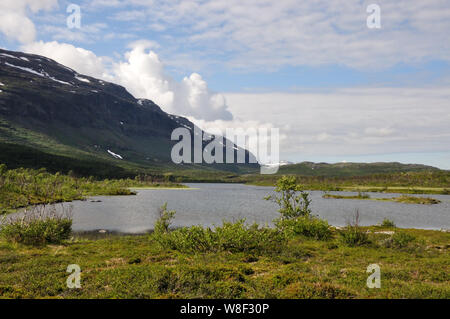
{"points": [[209, 204]]}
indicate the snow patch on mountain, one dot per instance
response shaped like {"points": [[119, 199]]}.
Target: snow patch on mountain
{"points": [[24, 69], [82, 79], [9, 56], [115, 155], [44, 74]]}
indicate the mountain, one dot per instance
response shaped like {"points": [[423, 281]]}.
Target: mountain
{"points": [[351, 169], [53, 117]]}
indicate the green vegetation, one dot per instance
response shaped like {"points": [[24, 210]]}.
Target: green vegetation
{"points": [[402, 199], [292, 200], [140, 267], [400, 240], [232, 237], [422, 182], [302, 257], [354, 235], [351, 169], [37, 227], [307, 226], [417, 200], [387, 223], [25, 187], [359, 196], [165, 219]]}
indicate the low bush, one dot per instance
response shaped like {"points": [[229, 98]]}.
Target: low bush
{"points": [[38, 226], [400, 240], [387, 223], [233, 237], [307, 226], [353, 235]]}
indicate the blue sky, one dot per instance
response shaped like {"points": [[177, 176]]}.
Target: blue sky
{"points": [[338, 85]]}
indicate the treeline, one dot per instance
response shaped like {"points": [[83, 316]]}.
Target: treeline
{"points": [[435, 179], [17, 156], [24, 186]]}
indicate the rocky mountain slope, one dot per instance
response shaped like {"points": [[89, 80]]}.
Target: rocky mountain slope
{"points": [[49, 111]]}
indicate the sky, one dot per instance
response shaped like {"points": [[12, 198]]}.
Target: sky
{"points": [[336, 89]]}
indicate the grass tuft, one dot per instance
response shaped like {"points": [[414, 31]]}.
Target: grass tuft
{"points": [[38, 226]]}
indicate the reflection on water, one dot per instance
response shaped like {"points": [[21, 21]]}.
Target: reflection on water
{"points": [[210, 204]]}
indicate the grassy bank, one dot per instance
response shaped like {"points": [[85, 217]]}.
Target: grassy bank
{"points": [[24, 187], [427, 182], [401, 199], [139, 267]]}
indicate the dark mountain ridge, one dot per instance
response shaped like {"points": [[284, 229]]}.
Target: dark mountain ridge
{"points": [[53, 109]]}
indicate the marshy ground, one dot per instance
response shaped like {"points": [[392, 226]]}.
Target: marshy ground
{"points": [[117, 266]]}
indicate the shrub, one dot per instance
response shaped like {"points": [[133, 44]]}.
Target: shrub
{"points": [[238, 237], [306, 226], [233, 237], [387, 223], [38, 227], [165, 219], [353, 236], [292, 200], [400, 240]]}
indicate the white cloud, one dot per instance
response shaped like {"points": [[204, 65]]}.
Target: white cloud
{"points": [[79, 59], [348, 122], [143, 75], [14, 22], [266, 34]]}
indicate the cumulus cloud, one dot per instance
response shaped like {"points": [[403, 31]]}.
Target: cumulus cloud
{"points": [[14, 22], [79, 59], [142, 74]]}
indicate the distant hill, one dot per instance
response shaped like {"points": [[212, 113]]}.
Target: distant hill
{"points": [[351, 169], [53, 117]]}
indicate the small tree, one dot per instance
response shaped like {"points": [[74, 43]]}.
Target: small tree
{"points": [[292, 200], [164, 221]]}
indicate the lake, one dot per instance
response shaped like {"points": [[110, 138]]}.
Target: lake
{"points": [[209, 204]]}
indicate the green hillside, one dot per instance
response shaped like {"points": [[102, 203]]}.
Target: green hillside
{"points": [[351, 169]]}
